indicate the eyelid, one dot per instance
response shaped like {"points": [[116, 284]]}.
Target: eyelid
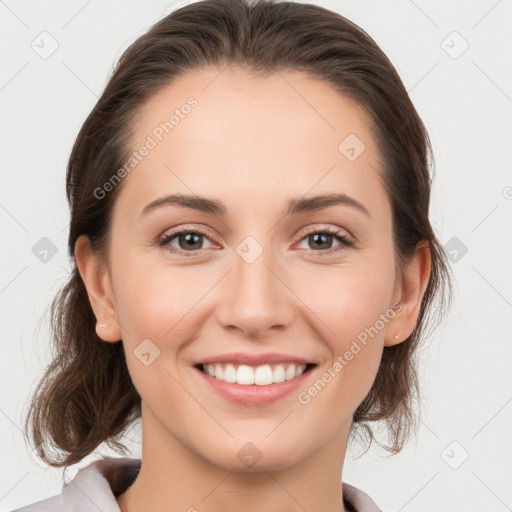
{"points": [[326, 227], [199, 228], [305, 231]]}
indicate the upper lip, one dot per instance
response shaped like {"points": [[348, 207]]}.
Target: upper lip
{"points": [[254, 359]]}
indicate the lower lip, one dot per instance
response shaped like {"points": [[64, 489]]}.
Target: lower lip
{"points": [[254, 394]]}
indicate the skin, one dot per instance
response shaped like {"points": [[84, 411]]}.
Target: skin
{"points": [[253, 144]]}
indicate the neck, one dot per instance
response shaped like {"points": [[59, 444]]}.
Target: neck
{"points": [[174, 477]]}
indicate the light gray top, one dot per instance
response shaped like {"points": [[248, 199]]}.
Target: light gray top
{"points": [[95, 487]]}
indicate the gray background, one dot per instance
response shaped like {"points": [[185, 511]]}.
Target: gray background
{"points": [[462, 457]]}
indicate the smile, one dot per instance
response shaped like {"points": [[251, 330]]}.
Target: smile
{"points": [[262, 375], [254, 385]]}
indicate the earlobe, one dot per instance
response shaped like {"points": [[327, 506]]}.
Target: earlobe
{"points": [[411, 290], [94, 274]]}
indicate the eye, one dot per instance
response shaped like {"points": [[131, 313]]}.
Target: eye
{"points": [[189, 241], [318, 238]]}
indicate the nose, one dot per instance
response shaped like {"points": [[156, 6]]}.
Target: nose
{"points": [[255, 297]]}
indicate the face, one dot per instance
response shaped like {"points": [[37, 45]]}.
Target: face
{"points": [[186, 285]]}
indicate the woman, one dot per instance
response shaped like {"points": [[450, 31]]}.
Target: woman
{"points": [[254, 266]]}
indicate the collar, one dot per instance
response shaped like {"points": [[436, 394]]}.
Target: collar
{"points": [[96, 486]]}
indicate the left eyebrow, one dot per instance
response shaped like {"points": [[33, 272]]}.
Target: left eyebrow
{"points": [[320, 202], [293, 206]]}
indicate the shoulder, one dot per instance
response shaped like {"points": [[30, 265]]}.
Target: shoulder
{"points": [[95, 485], [53, 504], [358, 499]]}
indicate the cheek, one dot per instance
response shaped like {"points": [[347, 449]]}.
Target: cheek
{"points": [[148, 290], [156, 304], [348, 306], [348, 299], [155, 301]]}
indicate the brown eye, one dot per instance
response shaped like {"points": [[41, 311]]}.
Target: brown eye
{"points": [[321, 241], [188, 241]]}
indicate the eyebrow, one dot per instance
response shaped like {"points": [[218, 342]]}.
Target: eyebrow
{"points": [[293, 206]]}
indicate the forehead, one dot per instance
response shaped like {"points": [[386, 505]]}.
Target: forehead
{"points": [[283, 109], [284, 134]]}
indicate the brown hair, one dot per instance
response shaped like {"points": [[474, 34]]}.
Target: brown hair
{"points": [[86, 395]]}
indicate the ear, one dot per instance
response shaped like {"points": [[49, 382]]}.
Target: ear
{"points": [[95, 275], [409, 292]]}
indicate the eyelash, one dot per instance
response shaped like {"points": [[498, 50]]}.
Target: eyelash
{"points": [[346, 242]]}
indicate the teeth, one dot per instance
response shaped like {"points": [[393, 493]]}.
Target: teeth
{"points": [[219, 371], [290, 373], [245, 375], [229, 373], [261, 375]]}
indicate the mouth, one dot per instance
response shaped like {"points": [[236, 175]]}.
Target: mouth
{"points": [[249, 375]]}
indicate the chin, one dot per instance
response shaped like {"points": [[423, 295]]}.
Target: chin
{"points": [[259, 455]]}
